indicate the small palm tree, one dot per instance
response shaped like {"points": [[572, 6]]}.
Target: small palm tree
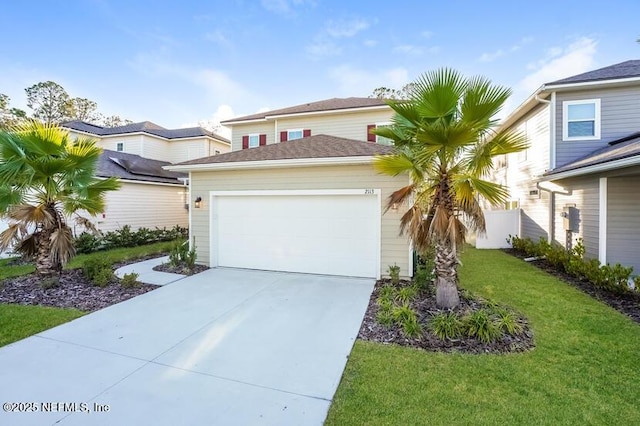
{"points": [[45, 178], [446, 141]]}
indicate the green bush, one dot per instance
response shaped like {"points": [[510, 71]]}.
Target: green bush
{"points": [[412, 328], [406, 294], [99, 271], [446, 325], [130, 280], [507, 321], [87, 243], [394, 274], [125, 237], [423, 278], [385, 312], [482, 326]]}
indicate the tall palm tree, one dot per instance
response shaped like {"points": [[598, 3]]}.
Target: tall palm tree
{"points": [[46, 177], [446, 140]]}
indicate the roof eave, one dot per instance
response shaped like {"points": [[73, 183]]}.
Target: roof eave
{"points": [[594, 83], [300, 114], [268, 164], [595, 168]]}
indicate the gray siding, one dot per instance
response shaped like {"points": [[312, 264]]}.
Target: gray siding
{"points": [[585, 194], [619, 114], [534, 216], [623, 221]]}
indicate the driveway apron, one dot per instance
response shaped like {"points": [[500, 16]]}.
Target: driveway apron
{"points": [[223, 347]]}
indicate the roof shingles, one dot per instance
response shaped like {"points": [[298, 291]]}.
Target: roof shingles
{"points": [[324, 105], [317, 146], [625, 69], [133, 167], [142, 127]]}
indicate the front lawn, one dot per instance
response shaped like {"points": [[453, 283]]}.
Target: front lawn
{"points": [[584, 369], [20, 321]]}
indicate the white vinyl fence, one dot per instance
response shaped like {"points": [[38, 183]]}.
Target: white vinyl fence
{"points": [[500, 224]]}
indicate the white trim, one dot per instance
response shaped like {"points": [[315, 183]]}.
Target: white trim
{"points": [[117, 135], [297, 114], [603, 167], [213, 213], [266, 164], [146, 182], [410, 268], [294, 130], [602, 228], [596, 120], [190, 210], [249, 140], [552, 130]]}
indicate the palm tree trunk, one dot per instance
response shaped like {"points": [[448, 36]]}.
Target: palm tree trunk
{"points": [[45, 266], [446, 263]]}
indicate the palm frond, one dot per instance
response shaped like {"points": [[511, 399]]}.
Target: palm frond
{"points": [[62, 248], [11, 236], [35, 215]]}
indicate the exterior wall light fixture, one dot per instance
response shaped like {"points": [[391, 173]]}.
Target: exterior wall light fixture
{"points": [[198, 202]]}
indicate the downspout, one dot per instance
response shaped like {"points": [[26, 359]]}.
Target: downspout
{"points": [[552, 160]]}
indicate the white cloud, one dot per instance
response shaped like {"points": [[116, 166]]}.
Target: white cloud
{"points": [[325, 43], [222, 113], [561, 62], [217, 36], [370, 43], [346, 28], [284, 7], [409, 49], [361, 82], [492, 56]]}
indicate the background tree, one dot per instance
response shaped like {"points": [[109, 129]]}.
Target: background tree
{"points": [[446, 139], [48, 101], [396, 94], [113, 121], [81, 109], [9, 116], [45, 178]]}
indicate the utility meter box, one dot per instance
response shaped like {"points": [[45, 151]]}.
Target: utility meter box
{"points": [[570, 218]]}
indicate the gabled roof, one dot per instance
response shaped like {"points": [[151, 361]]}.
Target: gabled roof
{"points": [[312, 147], [133, 167], [622, 70], [142, 127], [332, 104], [625, 150]]}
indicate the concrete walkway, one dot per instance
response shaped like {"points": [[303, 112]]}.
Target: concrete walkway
{"points": [[146, 273], [223, 347]]}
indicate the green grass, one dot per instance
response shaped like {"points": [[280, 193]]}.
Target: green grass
{"points": [[114, 256], [20, 321], [584, 370]]}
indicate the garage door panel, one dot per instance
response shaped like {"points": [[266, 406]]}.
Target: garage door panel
{"points": [[324, 234]]}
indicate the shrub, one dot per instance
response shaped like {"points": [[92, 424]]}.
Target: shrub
{"points": [[406, 294], [407, 319], [130, 280], [50, 282], [423, 278], [412, 328], [87, 243], [446, 325], [394, 274], [181, 255], [125, 237], [99, 271], [481, 326], [385, 312], [386, 293], [508, 321]]}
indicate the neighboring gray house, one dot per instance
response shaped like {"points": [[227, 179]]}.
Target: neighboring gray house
{"points": [[583, 163]]}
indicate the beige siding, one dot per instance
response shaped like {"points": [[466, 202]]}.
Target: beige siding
{"points": [[187, 149], [156, 148], [623, 221], [394, 249], [350, 125], [218, 146], [132, 143], [585, 195], [144, 205]]}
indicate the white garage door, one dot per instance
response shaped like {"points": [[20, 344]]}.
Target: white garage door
{"points": [[335, 234]]}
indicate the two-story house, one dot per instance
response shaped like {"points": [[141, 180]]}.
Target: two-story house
{"points": [[299, 193], [135, 153], [580, 177]]}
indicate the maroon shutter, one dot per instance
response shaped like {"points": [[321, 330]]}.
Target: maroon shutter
{"points": [[245, 142], [283, 136], [306, 133], [263, 140], [370, 136]]}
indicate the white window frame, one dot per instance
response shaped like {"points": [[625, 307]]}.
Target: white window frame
{"points": [[383, 124], [289, 131], [565, 120], [118, 145], [257, 139]]}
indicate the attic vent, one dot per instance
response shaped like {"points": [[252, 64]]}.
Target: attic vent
{"points": [[534, 193]]}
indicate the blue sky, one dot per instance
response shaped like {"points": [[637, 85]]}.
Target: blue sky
{"points": [[178, 63]]}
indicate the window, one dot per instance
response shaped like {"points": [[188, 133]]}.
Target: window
{"points": [[294, 134], [254, 141], [376, 138], [581, 120], [216, 152], [120, 146]]}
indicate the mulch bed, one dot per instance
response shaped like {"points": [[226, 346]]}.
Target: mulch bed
{"points": [[628, 303], [373, 331], [73, 291], [180, 269]]}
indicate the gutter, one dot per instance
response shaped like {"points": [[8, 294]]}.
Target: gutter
{"points": [[266, 164]]}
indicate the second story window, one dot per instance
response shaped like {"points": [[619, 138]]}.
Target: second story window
{"points": [[292, 134], [581, 120], [376, 138], [120, 146], [254, 141]]}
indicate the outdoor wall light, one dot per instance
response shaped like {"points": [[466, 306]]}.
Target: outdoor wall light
{"points": [[198, 202]]}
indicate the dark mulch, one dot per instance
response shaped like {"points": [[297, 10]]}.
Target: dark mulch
{"points": [[373, 331], [73, 291], [626, 303], [180, 269]]}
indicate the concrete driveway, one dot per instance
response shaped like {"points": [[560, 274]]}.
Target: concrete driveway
{"points": [[224, 347]]}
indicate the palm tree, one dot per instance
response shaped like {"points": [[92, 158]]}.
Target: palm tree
{"points": [[45, 177], [446, 139]]}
